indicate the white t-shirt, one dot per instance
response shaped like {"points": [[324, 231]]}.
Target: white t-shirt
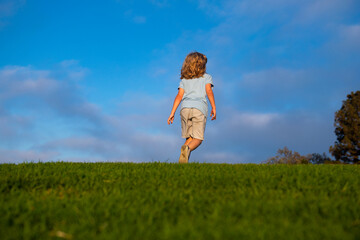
{"points": [[195, 93]]}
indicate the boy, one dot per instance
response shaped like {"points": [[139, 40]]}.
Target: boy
{"points": [[195, 84]]}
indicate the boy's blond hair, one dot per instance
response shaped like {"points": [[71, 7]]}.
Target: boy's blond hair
{"points": [[194, 66]]}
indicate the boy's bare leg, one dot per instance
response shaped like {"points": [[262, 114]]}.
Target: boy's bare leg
{"points": [[194, 143], [188, 140]]}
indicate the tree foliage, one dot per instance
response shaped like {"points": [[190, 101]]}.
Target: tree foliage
{"points": [[286, 156], [317, 158], [347, 130]]}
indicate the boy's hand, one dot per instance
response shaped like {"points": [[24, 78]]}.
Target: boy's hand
{"points": [[170, 119], [213, 114]]}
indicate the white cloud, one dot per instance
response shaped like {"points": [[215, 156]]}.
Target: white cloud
{"points": [[139, 19], [68, 126], [221, 157], [9, 8], [350, 36], [18, 156], [308, 11], [13, 128], [342, 51], [323, 10], [160, 3], [275, 77], [256, 120], [253, 137], [89, 144], [138, 130], [281, 89]]}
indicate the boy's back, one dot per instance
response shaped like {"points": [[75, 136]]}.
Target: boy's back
{"points": [[195, 94]]}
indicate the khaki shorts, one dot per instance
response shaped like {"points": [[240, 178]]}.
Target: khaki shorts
{"points": [[193, 123]]}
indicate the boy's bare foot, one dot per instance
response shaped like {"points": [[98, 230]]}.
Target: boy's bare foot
{"points": [[184, 155]]}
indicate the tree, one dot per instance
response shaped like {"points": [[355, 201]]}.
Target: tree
{"points": [[347, 130], [317, 158], [286, 156]]}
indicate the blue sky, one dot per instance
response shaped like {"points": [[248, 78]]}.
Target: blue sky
{"points": [[95, 80]]}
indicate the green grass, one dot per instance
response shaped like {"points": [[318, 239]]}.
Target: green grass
{"points": [[172, 201]]}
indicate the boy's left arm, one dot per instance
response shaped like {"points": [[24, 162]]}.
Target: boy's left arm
{"points": [[210, 95], [177, 101]]}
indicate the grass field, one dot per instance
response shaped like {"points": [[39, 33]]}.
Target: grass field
{"points": [[172, 201]]}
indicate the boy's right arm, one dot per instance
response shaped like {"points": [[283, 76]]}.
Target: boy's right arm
{"points": [[177, 101], [210, 95]]}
